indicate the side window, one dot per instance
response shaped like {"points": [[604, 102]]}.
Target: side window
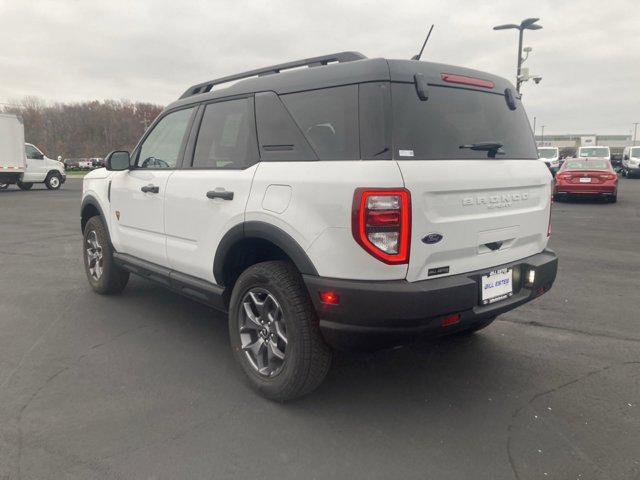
{"points": [[163, 145], [32, 152], [227, 136], [329, 120]]}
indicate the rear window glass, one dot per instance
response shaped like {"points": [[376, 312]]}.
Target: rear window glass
{"points": [[594, 152], [436, 128], [328, 118], [547, 153], [586, 165]]}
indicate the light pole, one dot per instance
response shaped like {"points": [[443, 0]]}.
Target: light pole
{"points": [[542, 136], [635, 131], [526, 24], [534, 128]]}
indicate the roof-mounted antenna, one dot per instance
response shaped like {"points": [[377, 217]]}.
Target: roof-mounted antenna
{"points": [[417, 57]]}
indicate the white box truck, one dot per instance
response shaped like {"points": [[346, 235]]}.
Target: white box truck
{"points": [[23, 163], [12, 154]]}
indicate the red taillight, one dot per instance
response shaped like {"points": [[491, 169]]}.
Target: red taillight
{"points": [[329, 297], [381, 223], [450, 319], [464, 80]]}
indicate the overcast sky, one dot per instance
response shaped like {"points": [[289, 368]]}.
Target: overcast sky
{"points": [[65, 50]]}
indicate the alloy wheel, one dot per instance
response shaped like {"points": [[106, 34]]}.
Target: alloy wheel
{"points": [[263, 334], [94, 256]]}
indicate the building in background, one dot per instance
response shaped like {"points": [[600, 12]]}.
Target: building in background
{"points": [[569, 143]]}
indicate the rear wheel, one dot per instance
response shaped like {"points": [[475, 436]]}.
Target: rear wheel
{"points": [[4, 186], [613, 199], [53, 181], [274, 332], [104, 276], [25, 186]]}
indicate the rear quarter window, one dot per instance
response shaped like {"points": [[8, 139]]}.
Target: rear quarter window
{"points": [[434, 129], [328, 118]]}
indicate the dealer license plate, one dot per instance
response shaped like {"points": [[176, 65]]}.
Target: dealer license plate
{"points": [[585, 180], [497, 285]]}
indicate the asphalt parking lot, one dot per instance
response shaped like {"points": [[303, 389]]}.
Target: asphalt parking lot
{"points": [[143, 385]]}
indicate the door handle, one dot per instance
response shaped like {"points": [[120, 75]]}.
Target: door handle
{"points": [[150, 189], [223, 194]]}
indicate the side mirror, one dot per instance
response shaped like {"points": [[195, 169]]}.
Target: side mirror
{"points": [[117, 160]]}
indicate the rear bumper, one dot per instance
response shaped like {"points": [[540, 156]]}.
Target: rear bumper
{"points": [[586, 189], [376, 314]]}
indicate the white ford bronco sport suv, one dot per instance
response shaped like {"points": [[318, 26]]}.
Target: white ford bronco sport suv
{"points": [[356, 203]]}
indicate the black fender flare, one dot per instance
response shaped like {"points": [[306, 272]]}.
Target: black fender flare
{"points": [[93, 201], [264, 231]]}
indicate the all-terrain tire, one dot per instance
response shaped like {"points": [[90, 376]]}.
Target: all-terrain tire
{"points": [[307, 358], [112, 279]]}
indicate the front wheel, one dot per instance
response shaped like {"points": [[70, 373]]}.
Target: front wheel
{"points": [[104, 276], [53, 181], [274, 332], [25, 186]]}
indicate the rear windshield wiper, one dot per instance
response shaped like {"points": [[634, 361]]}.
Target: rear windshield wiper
{"points": [[492, 148]]}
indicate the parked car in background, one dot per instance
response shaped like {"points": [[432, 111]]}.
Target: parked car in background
{"points": [[551, 157], [586, 177], [85, 164], [41, 169], [12, 156], [97, 162], [600, 153], [631, 161], [71, 163], [616, 159]]}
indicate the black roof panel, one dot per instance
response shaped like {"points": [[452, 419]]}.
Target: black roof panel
{"points": [[335, 74]]}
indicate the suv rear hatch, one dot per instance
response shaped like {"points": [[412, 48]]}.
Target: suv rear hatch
{"points": [[474, 205]]}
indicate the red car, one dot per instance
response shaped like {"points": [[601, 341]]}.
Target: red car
{"points": [[586, 177]]}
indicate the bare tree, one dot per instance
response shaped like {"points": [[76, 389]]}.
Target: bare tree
{"points": [[84, 129]]}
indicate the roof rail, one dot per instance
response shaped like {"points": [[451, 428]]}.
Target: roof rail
{"points": [[340, 57]]}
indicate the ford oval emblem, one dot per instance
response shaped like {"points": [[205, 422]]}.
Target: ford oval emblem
{"points": [[432, 238]]}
